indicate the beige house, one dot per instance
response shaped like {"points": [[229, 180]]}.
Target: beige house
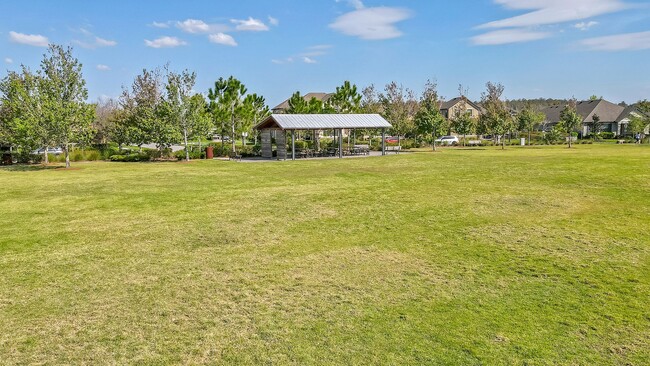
{"points": [[458, 106]]}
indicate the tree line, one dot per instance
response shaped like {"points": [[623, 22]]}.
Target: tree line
{"points": [[48, 107]]}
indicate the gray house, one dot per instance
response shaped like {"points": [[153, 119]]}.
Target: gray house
{"points": [[613, 117]]}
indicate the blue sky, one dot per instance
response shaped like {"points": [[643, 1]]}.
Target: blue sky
{"points": [[536, 48]]}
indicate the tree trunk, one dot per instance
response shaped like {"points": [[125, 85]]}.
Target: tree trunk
{"points": [[67, 156], [46, 159], [503, 142], [187, 150], [434, 141], [464, 139], [529, 138], [569, 141]]}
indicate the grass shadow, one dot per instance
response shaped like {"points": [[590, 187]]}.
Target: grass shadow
{"points": [[30, 168]]}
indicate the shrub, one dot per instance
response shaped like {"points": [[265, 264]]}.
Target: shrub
{"points": [[607, 135], [130, 158]]}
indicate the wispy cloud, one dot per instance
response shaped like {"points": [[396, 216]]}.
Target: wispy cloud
{"points": [[250, 24], [545, 12], [274, 21], [160, 24], [165, 42], [620, 42], [357, 4], [583, 26], [377, 23], [196, 26], [309, 60], [506, 36], [541, 14], [35, 40], [9, 60], [101, 67], [308, 56], [223, 39]]}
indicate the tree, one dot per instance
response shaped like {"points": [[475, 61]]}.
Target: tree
{"points": [[595, 97], [496, 118], [139, 121], [528, 119], [104, 124], [256, 111], [569, 120], [428, 119], [21, 121], [228, 101], [64, 94], [595, 126], [399, 108], [346, 99], [181, 109], [297, 104], [641, 120]]}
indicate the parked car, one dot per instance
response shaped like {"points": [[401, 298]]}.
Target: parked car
{"points": [[50, 150], [391, 140], [448, 140]]}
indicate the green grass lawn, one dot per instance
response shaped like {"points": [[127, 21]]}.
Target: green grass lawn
{"points": [[523, 256]]}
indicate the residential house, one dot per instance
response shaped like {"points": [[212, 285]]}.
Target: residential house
{"points": [[613, 117], [460, 105]]}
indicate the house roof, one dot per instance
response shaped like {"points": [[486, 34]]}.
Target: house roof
{"points": [[607, 111], [627, 112], [322, 121], [452, 102], [323, 97]]}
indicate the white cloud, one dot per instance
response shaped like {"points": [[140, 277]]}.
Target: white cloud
{"points": [[357, 4], [553, 11], [224, 39], [620, 42], [9, 60], [274, 21], [309, 60], [36, 40], [371, 23], [165, 42], [287, 60], [583, 26], [196, 26], [160, 24], [101, 67], [506, 36], [101, 42], [250, 24]]}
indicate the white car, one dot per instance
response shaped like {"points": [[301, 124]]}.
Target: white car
{"points": [[448, 140]]}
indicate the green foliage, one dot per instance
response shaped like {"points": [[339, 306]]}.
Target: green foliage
{"points": [[496, 119], [346, 99], [428, 120], [569, 121], [399, 107]]}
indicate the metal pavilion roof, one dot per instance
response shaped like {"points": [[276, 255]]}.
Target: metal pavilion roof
{"points": [[323, 121]]}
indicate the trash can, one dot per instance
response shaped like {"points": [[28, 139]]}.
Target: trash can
{"points": [[523, 141], [209, 152]]}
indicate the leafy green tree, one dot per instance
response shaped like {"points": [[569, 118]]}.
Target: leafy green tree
{"points": [[256, 110], [182, 110], [569, 120], [69, 118], [298, 104], [428, 119], [528, 119], [346, 99], [104, 124], [228, 96], [399, 107], [139, 121], [21, 121], [496, 118], [595, 126], [640, 121]]}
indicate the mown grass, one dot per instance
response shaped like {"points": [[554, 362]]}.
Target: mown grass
{"points": [[522, 256]]}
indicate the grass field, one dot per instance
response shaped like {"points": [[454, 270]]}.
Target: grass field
{"points": [[523, 256]]}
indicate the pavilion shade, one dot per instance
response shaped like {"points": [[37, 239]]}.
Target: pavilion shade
{"points": [[323, 121]]}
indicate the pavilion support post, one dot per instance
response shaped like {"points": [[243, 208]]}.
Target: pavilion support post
{"points": [[383, 141], [341, 143], [293, 144]]}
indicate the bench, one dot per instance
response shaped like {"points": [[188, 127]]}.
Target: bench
{"points": [[234, 156], [395, 149], [361, 150], [474, 142]]}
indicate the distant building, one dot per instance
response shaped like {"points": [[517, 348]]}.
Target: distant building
{"points": [[284, 106], [460, 105], [613, 117]]}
